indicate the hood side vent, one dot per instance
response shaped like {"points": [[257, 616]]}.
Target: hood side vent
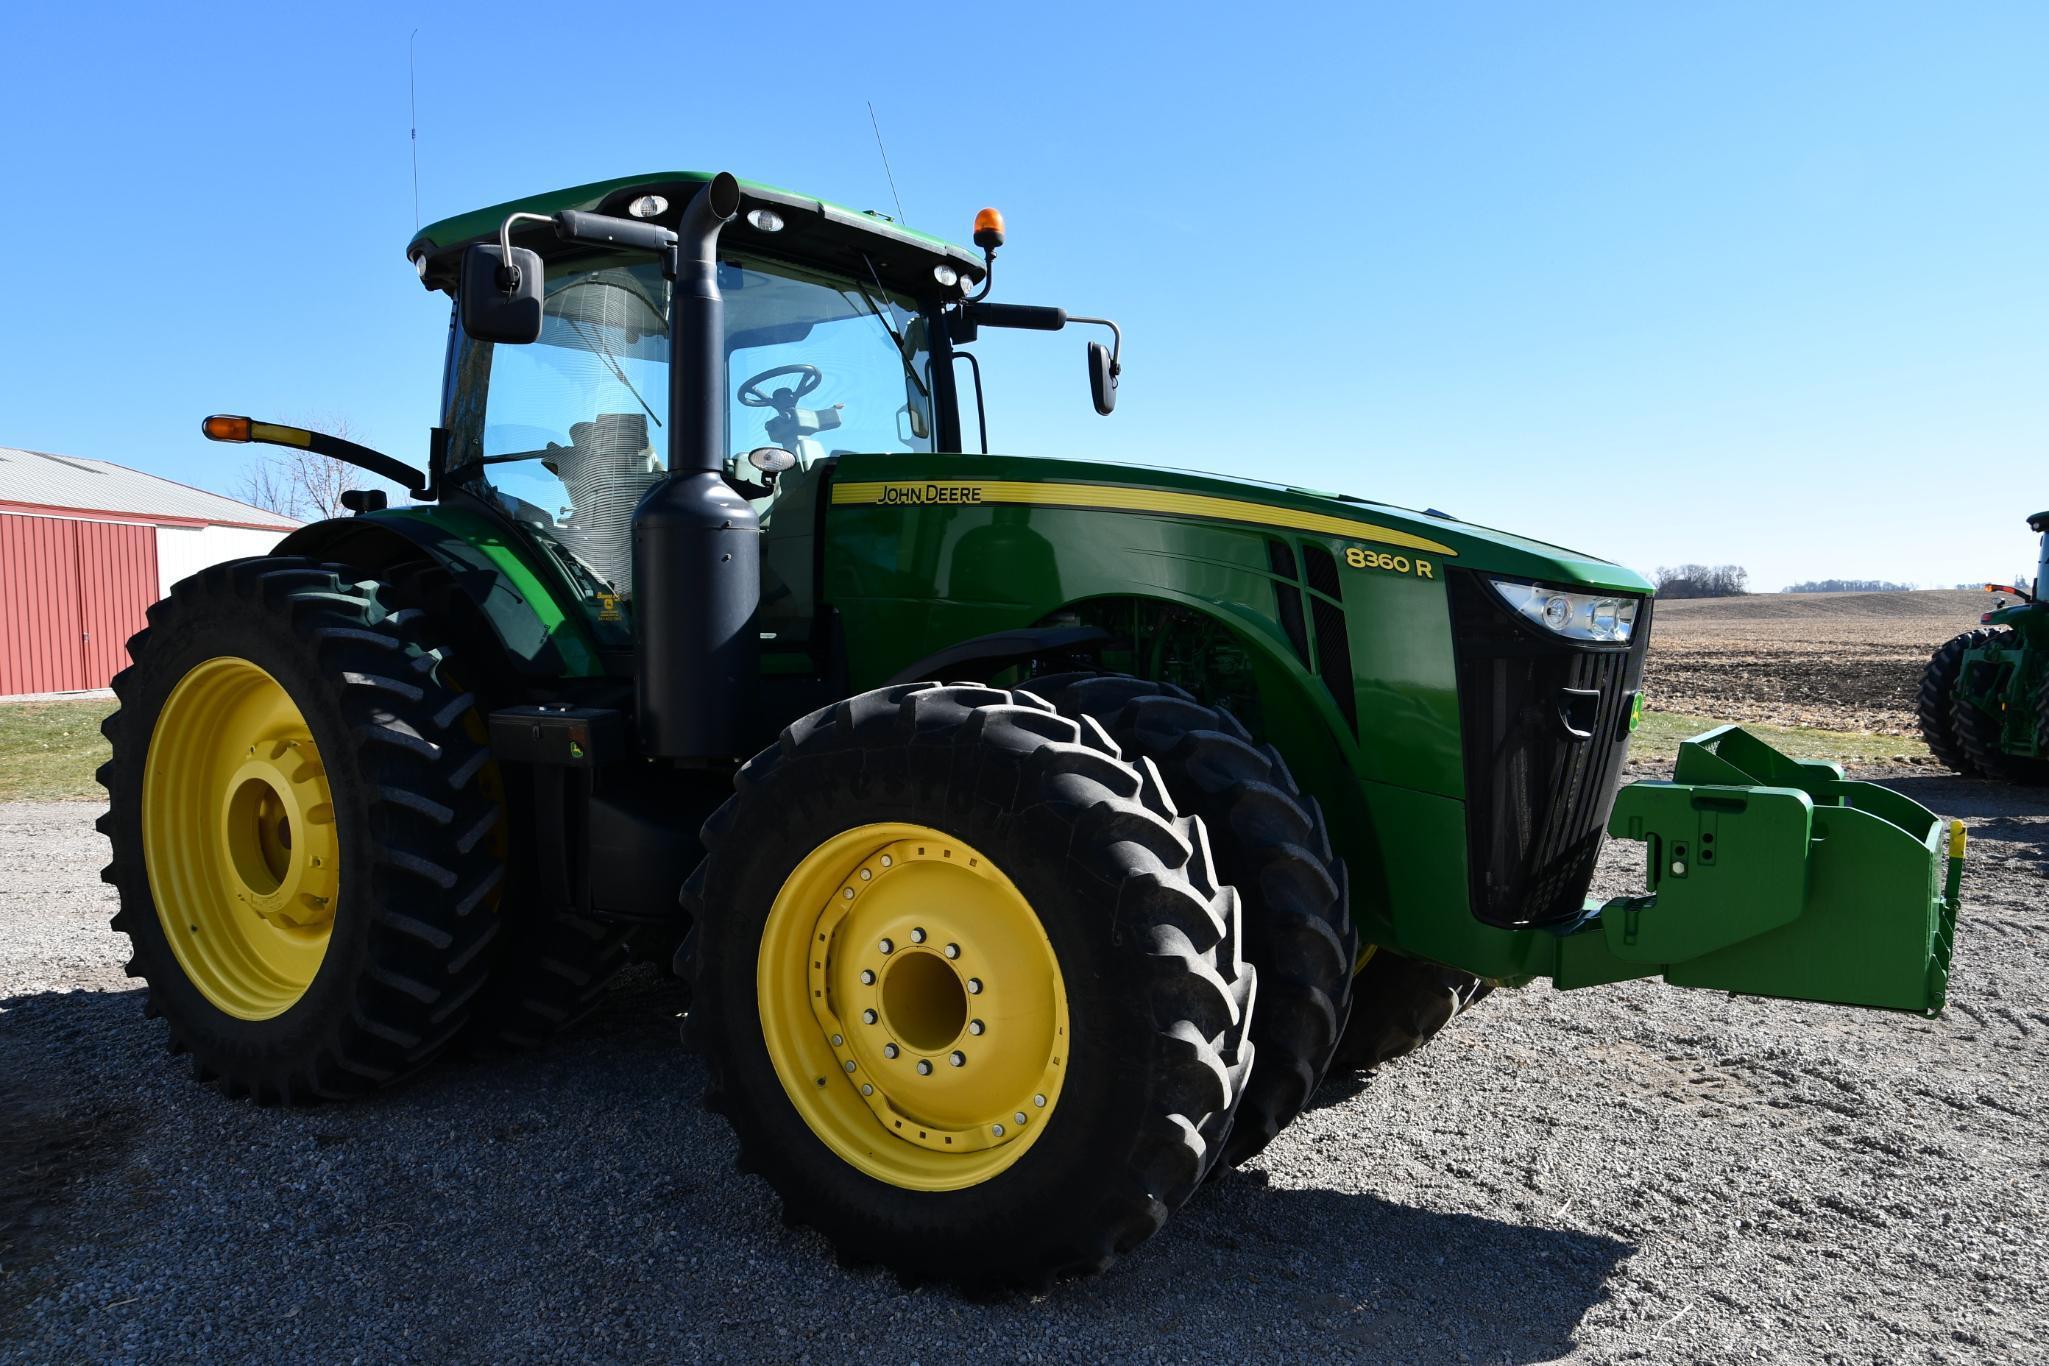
{"points": [[1288, 597]]}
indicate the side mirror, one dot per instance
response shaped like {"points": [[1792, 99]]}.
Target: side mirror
{"points": [[1102, 378], [771, 459], [501, 294]]}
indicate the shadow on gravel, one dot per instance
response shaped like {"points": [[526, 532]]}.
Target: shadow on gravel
{"points": [[578, 1201], [1390, 1281]]}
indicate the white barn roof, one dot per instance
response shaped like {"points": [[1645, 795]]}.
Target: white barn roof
{"points": [[32, 481]]}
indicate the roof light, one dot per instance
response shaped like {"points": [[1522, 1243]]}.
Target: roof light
{"points": [[765, 220], [221, 427], [989, 229], [648, 206], [946, 275], [420, 265]]}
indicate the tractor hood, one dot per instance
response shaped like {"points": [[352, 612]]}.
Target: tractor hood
{"points": [[995, 479]]}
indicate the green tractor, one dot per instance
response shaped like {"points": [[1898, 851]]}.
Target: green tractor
{"points": [[1093, 812], [1984, 702]]}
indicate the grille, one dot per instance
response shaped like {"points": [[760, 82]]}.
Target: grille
{"points": [[1537, 799], [1288, 597]]}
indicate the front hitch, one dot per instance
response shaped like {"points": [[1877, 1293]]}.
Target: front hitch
{"points": [[1776, 876]]}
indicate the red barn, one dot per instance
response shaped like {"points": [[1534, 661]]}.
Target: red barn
{"points": [[85, 547]]}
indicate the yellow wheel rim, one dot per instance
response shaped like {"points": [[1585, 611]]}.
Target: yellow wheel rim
{"points": [[912, 1007], [239, 838]]}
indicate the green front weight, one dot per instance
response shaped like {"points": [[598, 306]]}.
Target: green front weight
{"points": [[1774, 876]]}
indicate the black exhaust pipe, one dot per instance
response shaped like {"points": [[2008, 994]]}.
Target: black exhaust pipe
{"points": [[696, 542]]}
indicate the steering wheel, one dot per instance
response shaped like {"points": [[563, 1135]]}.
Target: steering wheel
{"points": [[751, 395]]}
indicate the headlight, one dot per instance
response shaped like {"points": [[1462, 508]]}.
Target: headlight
{"points": [[1575, 615]]}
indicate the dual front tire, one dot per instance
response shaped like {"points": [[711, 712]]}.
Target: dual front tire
{"points": [[969, 990]]}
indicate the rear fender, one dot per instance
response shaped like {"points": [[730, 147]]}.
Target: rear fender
{"points": [[536, 623]]}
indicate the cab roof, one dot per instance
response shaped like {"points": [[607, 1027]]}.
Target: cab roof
{"points": [[813, 230]]}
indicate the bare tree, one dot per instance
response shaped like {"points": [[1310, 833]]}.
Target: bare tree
{"points": [[300, 484], [1701, 581]]}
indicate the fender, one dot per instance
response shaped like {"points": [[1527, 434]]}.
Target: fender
{"points": [[532, 618], [980, 656]]}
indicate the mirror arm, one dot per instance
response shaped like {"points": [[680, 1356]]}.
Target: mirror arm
{"points": [[1116, 340], [505, 248]]}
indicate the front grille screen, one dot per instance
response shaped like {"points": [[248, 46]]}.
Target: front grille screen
{"points": [[1537, 798]]}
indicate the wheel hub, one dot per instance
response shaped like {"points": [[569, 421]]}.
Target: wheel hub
{"points": [[239, 838], [937, 1016]]}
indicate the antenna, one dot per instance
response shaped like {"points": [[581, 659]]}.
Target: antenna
{"points": [[413, 106], [885, 166]]}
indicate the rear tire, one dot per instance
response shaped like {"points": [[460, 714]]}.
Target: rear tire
{"points": [[1117, 894], [1269, 841], [1937, 699], [1401, 1003], [337, 947], [1979, 732]]}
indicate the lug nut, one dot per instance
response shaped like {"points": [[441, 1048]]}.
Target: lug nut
{"points": [[957, 1058], [953, 950], [974, 986], [887, 861], [866, 1089], [996, 1129], [887, 946], [976, 1026], [917, 936], [868, 1017], [889, 1050], [850, 1064], [867, 977], [837, 1040], [924, 1067], [1020, 1116], [1039, 1101], [866, 875]]}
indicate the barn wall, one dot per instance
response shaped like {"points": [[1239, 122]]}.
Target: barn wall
{"points": [[71, 593], [184, 551]]}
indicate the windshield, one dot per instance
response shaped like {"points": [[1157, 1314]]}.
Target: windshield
{"points": [[568, 433]]}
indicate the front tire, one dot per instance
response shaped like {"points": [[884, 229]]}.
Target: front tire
{"points": [[1270, 843], [1399, 1004], [304, 847], [1934, 704], [916, 862]]}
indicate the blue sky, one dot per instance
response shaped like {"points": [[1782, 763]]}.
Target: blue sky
{"points": [[1761, 283]]}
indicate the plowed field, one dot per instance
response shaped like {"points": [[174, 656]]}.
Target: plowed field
{"points": [[1840, 661]]}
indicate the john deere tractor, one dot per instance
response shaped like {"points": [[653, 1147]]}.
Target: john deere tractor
{"points": [[1984, 704], [1033, 833]]}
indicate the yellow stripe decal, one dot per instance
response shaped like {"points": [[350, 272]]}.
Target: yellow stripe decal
{"points": [[1112, 498], [283, 436]]}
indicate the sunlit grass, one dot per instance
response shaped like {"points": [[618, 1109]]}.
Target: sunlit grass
{"points": [[48, 750]]}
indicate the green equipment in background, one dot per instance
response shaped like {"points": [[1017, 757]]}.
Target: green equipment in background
{"points": [[1984, 701]]}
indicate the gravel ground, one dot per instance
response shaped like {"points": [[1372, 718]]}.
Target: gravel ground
{"points": [[1633, 1172]]}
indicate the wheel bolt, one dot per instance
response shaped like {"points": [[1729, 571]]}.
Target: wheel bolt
{"points": [[888, 861], [996, 1129], [868, 1017], [887, 946], [924, 1067], [974, 986], [867, 977], [889, 1050], [866, 1089], [1020, 1116], [957, 1058], [917, 936], [866, 875], [953, 950], [850, 1064], [1039, 1101], [837, 1040], [976, 1026]]}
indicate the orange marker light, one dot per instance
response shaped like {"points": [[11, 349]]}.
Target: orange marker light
{"points": [[221, 427], [988, 230]]}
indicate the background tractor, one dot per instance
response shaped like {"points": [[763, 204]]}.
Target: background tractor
{"points": [[1984, 704], [1092, 809]]}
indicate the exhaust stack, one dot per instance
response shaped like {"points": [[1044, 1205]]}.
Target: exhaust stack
{"points": [[696, 542]]}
